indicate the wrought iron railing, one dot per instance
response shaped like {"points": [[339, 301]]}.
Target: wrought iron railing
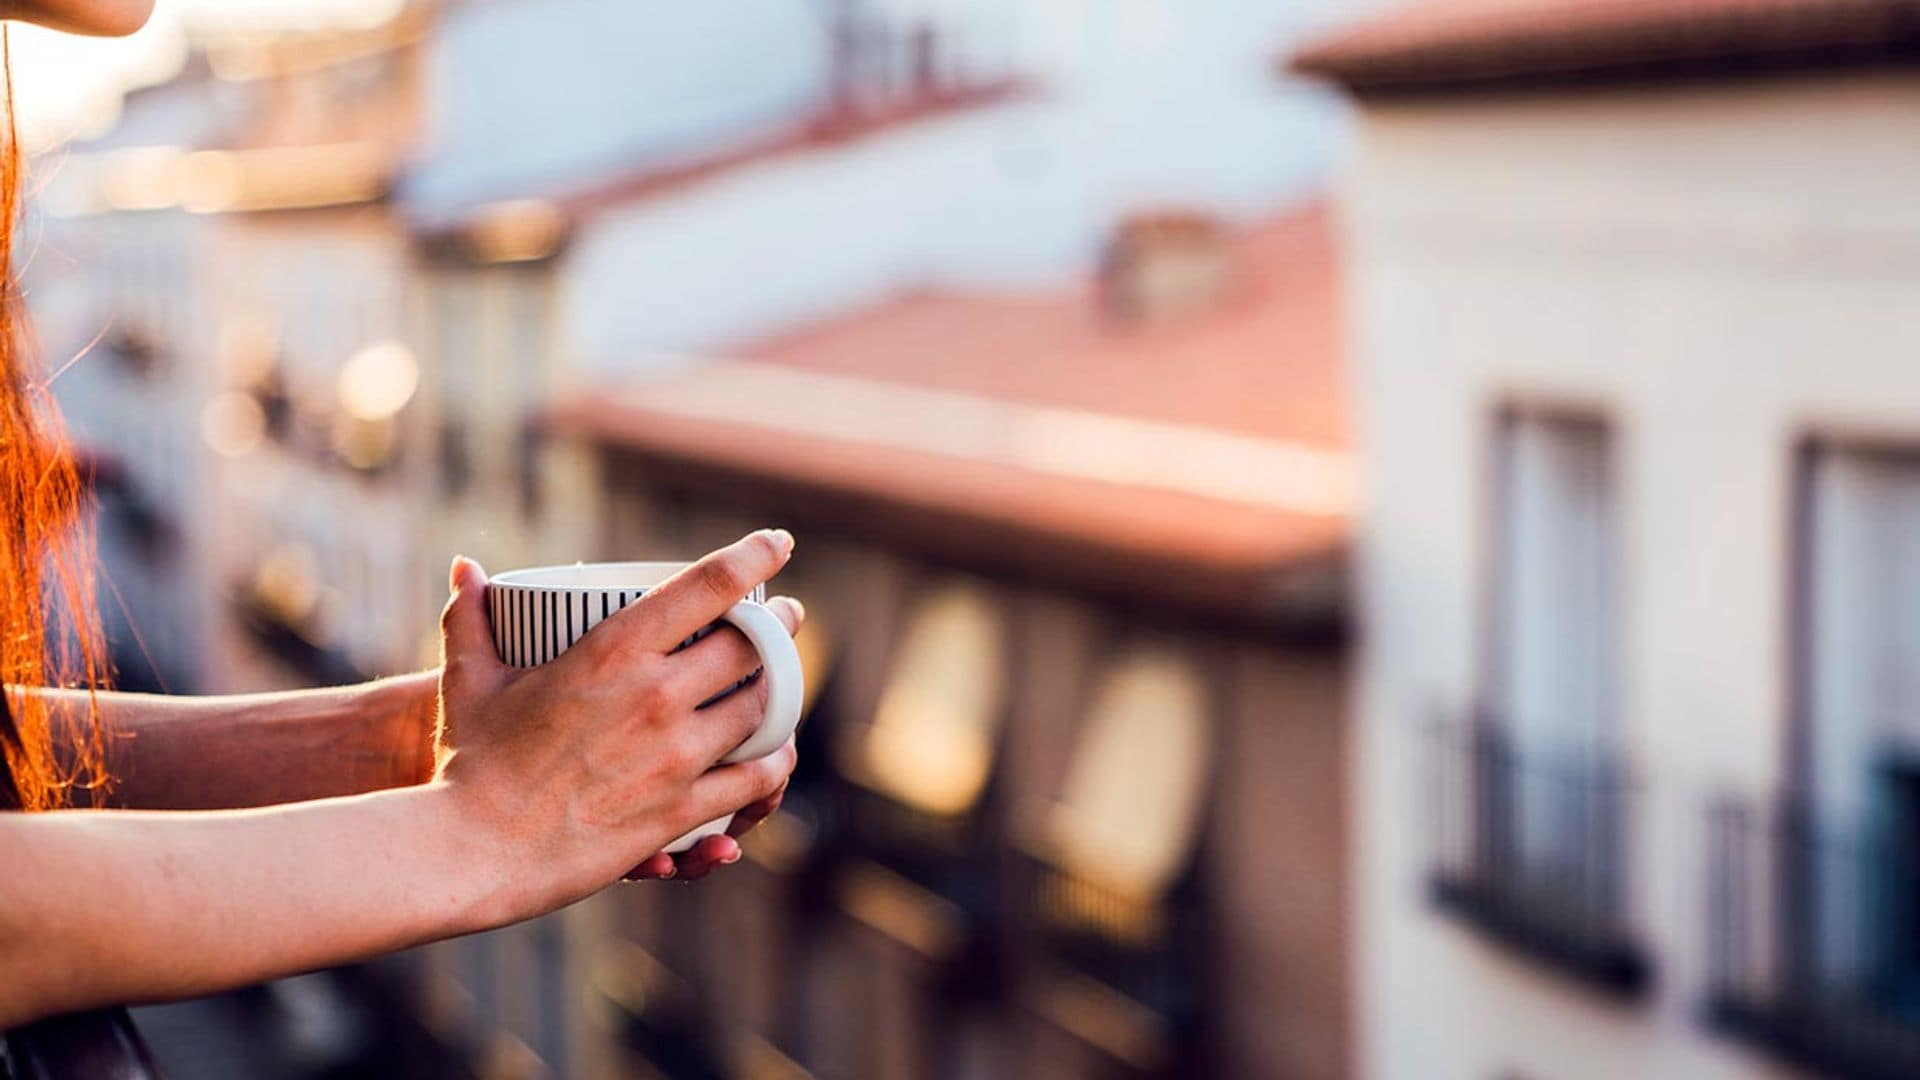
{"points": [[100, 1045], [1530, 845], [1148, 950], [1813, 936]]}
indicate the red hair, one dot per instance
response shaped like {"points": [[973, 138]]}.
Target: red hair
{"points": [[47, 629]]}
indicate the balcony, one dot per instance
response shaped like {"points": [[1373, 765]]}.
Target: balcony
{"points": [[1528, 846], [1128, 977], [1814, 935], [101, 1045]]}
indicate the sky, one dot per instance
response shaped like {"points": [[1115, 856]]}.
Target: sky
{"points": [[67, 86]]}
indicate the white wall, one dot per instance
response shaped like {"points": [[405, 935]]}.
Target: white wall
{"points": [[1719, 270]]}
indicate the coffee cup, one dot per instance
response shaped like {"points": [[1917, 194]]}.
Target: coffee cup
{"points": [[539, 612]]}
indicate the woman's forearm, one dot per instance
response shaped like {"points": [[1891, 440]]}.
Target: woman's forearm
{"points": [[195, 753], [102, 907]]}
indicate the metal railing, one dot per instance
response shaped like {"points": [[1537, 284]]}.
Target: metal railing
{"points": [[100, 1045], [1813, 937], [1529, 845], [1150, 950]]}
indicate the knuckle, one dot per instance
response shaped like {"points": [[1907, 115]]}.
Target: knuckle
{"points": [[726, 577], [677, 759], [656, 698], [765, 783], [683, 808], [772, 771], [614, 651]]}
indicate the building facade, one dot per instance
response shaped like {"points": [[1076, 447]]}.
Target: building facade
{"points": [[1632, 302]]}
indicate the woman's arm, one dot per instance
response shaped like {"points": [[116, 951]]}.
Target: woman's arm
{"points": [[552, 783], [131, 906], [215, 753]]}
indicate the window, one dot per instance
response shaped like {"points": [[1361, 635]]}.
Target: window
{"points": [[1531, 803], [1863, 632], [1816, 897], [1861, 732], [1129, 811], [931, 744], [1112, 874], [456, 312], [1553, 664]]}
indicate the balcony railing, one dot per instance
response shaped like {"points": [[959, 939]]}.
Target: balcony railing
{"points": [[1814, 938], [1529, 847], [102, 1045], [1134, 964]]}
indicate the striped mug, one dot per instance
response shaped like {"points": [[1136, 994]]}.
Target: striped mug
{"points": [[539, 612]]}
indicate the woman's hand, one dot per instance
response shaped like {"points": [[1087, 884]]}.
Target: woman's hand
{"points": [[578, 772], [552, 783]]}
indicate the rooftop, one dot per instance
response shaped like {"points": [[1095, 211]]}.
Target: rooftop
{"points": [[1200, 460], [465, 235], [1455, 45]]}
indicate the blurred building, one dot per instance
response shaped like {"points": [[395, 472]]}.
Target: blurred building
{"points": [[126, 313], [334, 258], [337, 274], [507, 266], [1638, 759], [261, 280], [323, 467], [1073, 798], [514, 270]]}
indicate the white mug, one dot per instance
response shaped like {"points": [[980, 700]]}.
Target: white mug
{"points": [[539, 612]]}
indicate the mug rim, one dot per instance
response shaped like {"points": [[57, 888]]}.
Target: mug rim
{"points": [[648, 574]]}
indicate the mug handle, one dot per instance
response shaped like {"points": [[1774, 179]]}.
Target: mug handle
{"points": [[780, 667]]}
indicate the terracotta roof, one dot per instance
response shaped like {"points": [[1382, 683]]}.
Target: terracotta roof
{"points": [[1466, 44], [1200, 462]]}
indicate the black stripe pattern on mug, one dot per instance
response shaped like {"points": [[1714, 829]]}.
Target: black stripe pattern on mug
{"points": [[533, 625]]}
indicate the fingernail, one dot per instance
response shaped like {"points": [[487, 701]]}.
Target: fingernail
{"points": [[671, 870], [782, 540], [732, 858], [453, 573]]}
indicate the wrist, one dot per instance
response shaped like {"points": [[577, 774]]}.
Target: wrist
{"points": [[486, 888], [410, 707]]}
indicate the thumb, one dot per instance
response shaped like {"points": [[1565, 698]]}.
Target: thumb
{"points": [[466, 632]]}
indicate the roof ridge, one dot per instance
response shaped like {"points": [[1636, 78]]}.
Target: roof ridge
{"points": [[1427, 47]]}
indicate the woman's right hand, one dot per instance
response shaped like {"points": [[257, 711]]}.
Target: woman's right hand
{"points": [[566, 776]]}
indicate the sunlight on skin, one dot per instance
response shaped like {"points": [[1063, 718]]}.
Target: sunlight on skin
{"points": [[102, 18], [68, 86]]}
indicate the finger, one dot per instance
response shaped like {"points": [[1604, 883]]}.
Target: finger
{"points": [[717, 662], [672, 611], [711, 733], [658, 866], [467, 658], [748, 816], [725, 789], [710, 852]]}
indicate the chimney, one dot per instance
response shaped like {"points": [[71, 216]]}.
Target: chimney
{"points": [[1164, 266]]}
